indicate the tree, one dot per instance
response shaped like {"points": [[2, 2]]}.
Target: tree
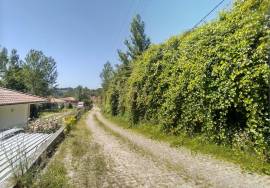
{"points": [[106, 75], [3, 62], [123, 57], [40, 73], [82, 93], [14, 58], [13, 77], [138, 41], [136, 45], [114, 82]]}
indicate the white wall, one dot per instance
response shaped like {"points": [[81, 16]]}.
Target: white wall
{"points": [[13, 115]]}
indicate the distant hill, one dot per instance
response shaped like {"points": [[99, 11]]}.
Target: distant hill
{"points": [[75, 92]]}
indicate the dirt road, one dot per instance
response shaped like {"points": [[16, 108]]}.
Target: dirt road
{"points": [[135, 161]]}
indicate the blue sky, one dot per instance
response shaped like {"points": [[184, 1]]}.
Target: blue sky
{"points": [[81, 35]]}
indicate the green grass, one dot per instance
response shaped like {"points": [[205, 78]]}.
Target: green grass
{"points": [[78, 155], [247, 161], [46, 114], [88, 164], [55, 175]]}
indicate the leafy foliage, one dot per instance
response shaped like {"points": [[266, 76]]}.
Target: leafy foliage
{"points": [[13, 76], [106, 75], [114, 98], [36, 75], [43, 69], [3, 61], [213, 81], [69, 122], [138, 42], [82, 94], [69, 91]]}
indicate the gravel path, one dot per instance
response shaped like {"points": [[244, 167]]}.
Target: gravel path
{"points": [[136, 161]]}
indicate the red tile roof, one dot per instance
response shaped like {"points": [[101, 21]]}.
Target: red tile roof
{"points": [[8, 97]]}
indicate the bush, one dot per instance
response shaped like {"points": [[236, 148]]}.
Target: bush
{"points": [[70, 106], [69, 122], [88, 104]]}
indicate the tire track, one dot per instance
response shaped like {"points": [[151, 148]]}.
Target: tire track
{"points": [[133, 168], [201, 170]]}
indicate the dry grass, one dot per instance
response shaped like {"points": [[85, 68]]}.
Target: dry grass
{"points": [[78, 162]]}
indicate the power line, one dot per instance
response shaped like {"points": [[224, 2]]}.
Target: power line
{"points": [[116, 35], [208, 14], [128, 14]]}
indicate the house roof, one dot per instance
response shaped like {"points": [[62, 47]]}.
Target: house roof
{"points": [[9, 97], [55, 100], [69, 99]]}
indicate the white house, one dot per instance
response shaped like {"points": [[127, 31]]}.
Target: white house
{"points": [[15, 108]]}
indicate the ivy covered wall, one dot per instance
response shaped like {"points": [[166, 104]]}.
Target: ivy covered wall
{"points": [[212, 81]]}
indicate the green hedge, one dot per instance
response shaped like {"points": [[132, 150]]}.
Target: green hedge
{"points": [[213, 80]]}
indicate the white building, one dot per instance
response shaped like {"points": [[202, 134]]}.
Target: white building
{"points": [[15, 108], [80, 105]]}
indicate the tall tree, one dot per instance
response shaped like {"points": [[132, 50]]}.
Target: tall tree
{"points": [[123, 57], [3, 62], [13, 77], [138, 41], [82, 93], [114, 82], [136, 45], [106, 75], [40, 73]]}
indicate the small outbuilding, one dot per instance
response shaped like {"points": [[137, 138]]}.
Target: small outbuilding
{"points": [[15, 108]]}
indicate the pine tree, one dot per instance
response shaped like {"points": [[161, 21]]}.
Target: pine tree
{"points": [[138, 42], [106, 75]]}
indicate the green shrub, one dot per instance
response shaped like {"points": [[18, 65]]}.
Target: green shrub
{"points": [[70, 106], [88, 104], [69, 123]]}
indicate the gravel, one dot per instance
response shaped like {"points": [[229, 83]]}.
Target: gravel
{"points": [[137, 161]]}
